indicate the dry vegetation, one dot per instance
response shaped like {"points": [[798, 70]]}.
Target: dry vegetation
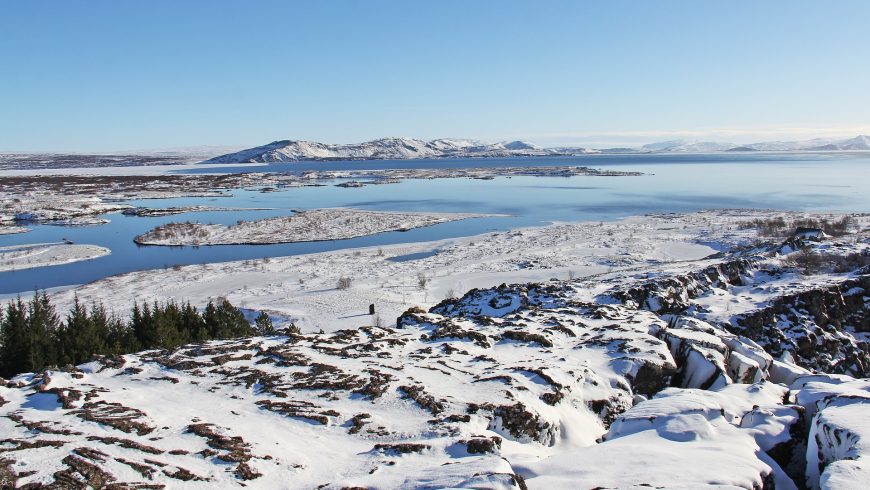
{"points": [[808, 261], [781, 227]]}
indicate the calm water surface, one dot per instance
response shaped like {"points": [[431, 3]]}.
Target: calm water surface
{"points": [[674, 183]]}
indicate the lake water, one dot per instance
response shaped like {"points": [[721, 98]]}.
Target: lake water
{"points": [[673, 183]]}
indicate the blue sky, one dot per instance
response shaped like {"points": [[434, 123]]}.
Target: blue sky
{"points": [[111, 75]]}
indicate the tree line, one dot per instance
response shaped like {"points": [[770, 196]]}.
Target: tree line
{"points": [[33, 336]]}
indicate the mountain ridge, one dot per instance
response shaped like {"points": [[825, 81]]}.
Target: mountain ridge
{"points": [[380, 149], [399, 148]]}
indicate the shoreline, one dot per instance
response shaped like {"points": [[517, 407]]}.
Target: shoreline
{"points": [[44, 198], [303, 288], [315, 225], [32, 255]]}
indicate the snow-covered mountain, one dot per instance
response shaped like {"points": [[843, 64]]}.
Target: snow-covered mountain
{"points": [[663, 145], [410, 148], [790, 145], [380, 149], [858, 143], [683, 146]]}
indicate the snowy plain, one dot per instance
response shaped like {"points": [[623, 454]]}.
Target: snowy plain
{"points": [[302, 226], [47, 254], [302, 289]]}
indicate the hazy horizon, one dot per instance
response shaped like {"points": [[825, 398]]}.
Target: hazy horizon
{"points": [[580, 141]]}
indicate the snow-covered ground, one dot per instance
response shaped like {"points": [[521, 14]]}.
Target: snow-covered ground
{"points": [[142, 170], [56, 209], [149, 211], [15, 257], [303, 288], [304, 226], [11, 230], [612, 380]]}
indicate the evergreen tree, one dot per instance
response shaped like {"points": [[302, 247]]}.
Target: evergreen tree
{"points": [[210, 320], [166, 319], [15, 354], [144, 327], [32, 336], [84, 333], [225, 321], [120, 339], [43, 325], [263, 324], [236, 325], [192, 324]]}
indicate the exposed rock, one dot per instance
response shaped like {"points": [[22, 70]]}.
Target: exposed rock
{"points": [[537, 364], [810, 325], [81, 474], [672, 294], [115, 415], [839, 444], [517, 422], [403, 448], [482, 445], [522, 336], [294, 408], [426, 401]]}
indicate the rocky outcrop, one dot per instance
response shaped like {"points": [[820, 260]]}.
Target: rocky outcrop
{"points": [[788, 446], [500, 301], [838, 448], [672, 395], [520, 424], [814, 326], [672, 294], [708, 356]]}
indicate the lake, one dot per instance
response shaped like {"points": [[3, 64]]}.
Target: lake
{"points": [[673, 183]]}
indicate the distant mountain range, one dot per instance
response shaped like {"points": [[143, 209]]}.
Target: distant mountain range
{"points": [[381, 149], [409, 148], [858, 143]]}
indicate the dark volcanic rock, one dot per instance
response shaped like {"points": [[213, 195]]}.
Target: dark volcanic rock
{"points": [[521, 424], [483, 445], [671, 294], [810, 325]]}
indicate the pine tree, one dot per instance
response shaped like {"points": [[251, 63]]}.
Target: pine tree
{"points": [[263, 324], [84, 334], [236, 325], [144, 327], [43, 325], [166, 320], [15, 354], [32, 337], [210, 320], [120, 339], [192, 324], [225, 321]]}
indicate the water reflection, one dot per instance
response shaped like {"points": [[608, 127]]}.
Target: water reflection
{"points": [[672, 184]]}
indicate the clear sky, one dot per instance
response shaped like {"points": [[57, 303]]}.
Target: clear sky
{"points": [[110, 75]]}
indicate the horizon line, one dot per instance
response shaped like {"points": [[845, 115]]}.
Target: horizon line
{"points": [[586, 140]]}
